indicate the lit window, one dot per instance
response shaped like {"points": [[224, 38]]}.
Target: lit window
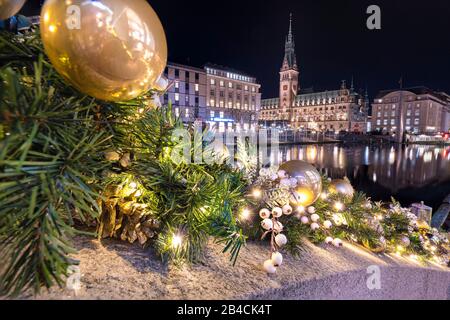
{"points": [[230, 85], [177, 112], [213, 82], [196, 87], [177, 97], [187, 112], [221, 115], [212, 114], [222, 83]]}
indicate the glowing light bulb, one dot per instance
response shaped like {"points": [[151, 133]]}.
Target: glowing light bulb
{"points": [[177, 240], [257, 193], [133, 185], [245, 214], [301, 209], [339, 206]]}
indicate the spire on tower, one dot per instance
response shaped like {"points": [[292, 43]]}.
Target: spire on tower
{"points": [[290, 28], [290, 59]]}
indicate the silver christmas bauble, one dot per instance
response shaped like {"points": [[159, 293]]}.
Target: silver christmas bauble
{"points": [[342, 187], [309, 181]]}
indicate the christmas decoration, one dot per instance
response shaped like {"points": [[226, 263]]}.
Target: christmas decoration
{"points": [[309, 181], [269, 267], [112, 50], [264, 214], [267, 224], [277, 212], [9, 8], [315, 226], [327, 224], [102, 166], [311, 210], [281, 240], [342, 186], [337, 243], [328, 240], [315, 217], [423, 213], [277, 259], [287, 210], [304, 220]]}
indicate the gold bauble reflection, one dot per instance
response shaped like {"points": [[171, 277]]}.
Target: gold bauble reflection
{"points": [[342, 187], [9, 8], [112, 50], [309, 182]]}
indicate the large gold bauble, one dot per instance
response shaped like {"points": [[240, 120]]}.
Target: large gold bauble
{"points": [[9, 8], [342, 187], [309, 182], [112, 50]]}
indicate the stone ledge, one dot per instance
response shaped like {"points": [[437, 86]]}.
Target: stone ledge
{"points": [[116, 270]]}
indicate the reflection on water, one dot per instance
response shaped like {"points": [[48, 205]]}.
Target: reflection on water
{"points": [[410, 174]]}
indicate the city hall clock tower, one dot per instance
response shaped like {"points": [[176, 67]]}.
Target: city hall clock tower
{"points": [[289, 77]]}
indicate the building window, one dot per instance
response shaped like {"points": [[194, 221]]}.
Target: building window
{"points": [[177, 73], [212, 114], [213, 82], [197, 87], [230, 85], [197, 76], [212, 103], [177, 97], [177, 84], [177, 112], [221, 115], [392, 122], [222, 83]]}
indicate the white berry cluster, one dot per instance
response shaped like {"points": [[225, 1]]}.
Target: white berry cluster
{"points": [[308, 216], [273, 226]]}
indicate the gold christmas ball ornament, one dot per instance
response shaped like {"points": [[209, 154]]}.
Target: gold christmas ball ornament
{"points": [[113, 50], [343, 187], [309, 182], [9, 8]]}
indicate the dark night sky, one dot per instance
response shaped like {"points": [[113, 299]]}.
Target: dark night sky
{"points": [[332, 40]]}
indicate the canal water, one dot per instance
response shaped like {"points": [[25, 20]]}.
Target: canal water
{"points": [[409, 174]]}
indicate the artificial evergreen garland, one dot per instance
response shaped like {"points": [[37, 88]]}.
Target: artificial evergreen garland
{"points": [[69, 161]]}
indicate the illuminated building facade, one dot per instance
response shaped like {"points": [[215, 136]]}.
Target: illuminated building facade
{"points": [[233, 99], [223, 98], [337, 110], [417, 110]]}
